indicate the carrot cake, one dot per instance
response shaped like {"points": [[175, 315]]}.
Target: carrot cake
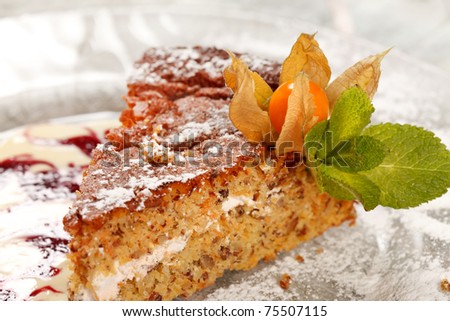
{"points": [[178, 195]]}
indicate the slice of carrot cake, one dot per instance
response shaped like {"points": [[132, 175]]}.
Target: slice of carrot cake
{"points": [[179, 195]]}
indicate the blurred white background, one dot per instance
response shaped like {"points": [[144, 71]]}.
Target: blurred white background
{"points": [[61, 58], [420, 28]]}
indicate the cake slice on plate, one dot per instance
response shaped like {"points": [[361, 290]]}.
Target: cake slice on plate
{"points": [[179, 195], [202, 178]]}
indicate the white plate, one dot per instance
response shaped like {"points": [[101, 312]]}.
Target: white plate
{"points": [[73, 62]]}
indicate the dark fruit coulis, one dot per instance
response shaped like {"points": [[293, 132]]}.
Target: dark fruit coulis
{"points": [[22, 163], [85, 143], [48, 244], [49, 178], [43, 289], [53, 180], [7, 294]]}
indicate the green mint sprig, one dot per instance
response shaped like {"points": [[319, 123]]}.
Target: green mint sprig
{"points": [[393, 165]]}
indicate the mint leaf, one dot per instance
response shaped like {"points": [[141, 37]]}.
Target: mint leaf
{"points": [[416, 167], [314, 143], [348, 186], [398, 166], [351, 113], [358, 154]]}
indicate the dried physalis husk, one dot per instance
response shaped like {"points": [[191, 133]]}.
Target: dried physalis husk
{"points": [[306, 56], [230, 73], [262, 90], [245, 112], [299, 117], [364, 73]]}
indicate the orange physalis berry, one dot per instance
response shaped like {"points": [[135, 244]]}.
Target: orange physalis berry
{"points": [[279, 103]]}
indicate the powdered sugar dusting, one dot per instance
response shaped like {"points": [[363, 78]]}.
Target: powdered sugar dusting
{"points": [[186, 63], [139, 172], [193, 129], [189, 137], [111, 198], [182, 62]]}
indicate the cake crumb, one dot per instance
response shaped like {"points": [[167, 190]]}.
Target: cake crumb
{"points": [[155, 296], [445, 285], [285, 281], [299, 258], [319, 250]]}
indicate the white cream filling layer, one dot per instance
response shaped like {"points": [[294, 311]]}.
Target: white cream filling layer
{"points": [[234, 201], [106, 287]]}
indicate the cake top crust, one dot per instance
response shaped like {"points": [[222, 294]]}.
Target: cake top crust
{"points": [[194, 66], [176, 129]]}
